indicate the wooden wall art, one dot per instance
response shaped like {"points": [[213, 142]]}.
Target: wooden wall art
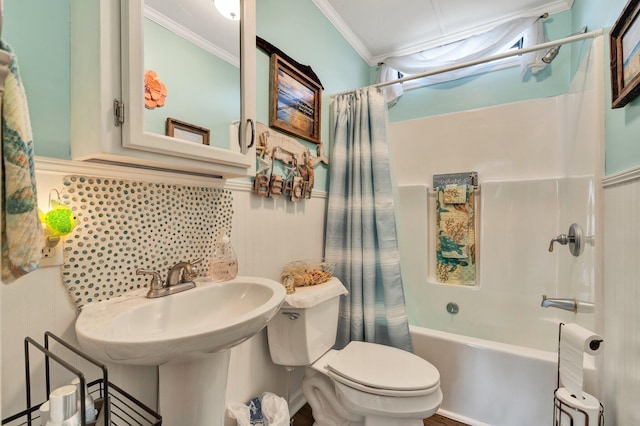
{"points": [[624, 41], [298, 164], [294, 101]]}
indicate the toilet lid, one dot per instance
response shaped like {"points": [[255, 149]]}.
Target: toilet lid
{"points": [[371, 367]]}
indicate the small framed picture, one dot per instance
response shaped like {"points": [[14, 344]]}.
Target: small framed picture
{"points": [[624, 41], [294, 104], [189, 132]]}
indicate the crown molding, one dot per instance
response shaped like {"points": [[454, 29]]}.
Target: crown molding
{"points": [[343, 29], [190, 36], [325, 7]]}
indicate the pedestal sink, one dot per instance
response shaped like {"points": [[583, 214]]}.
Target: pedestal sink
{"points": [[188, 335]]}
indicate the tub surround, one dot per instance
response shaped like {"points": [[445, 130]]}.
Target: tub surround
{"points": [[539, 164]]}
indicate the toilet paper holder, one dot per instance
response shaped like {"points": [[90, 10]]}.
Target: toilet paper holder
{"points": [[564, 412]]}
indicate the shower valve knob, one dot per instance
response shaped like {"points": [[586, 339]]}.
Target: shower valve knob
{"points": [[560, 239], [575, 239]]}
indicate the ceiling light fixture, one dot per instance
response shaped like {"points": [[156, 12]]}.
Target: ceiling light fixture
{"points": [[230, 9]]}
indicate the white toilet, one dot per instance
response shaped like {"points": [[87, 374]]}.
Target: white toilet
{"points": [[364, 383]]}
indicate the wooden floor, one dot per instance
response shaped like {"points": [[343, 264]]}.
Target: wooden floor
{"points": [[305, 418]]}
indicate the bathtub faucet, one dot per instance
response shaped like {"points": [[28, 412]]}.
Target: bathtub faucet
{"points": [[573, 305]]}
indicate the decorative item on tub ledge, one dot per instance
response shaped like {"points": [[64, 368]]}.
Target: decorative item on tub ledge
{"points": [[302, 273]]}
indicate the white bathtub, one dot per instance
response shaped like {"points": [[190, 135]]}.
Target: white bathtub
{"points": [[488, 383]]}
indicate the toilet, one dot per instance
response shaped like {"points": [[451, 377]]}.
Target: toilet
{"points": [[362, 384]]}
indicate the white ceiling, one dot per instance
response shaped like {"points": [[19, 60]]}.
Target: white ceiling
{"points": [[199, 22], [378, 29]]}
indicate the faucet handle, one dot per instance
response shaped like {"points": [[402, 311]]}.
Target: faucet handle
{"points": [[560, 239], [575, 238], [189, 271], [156, 281]]}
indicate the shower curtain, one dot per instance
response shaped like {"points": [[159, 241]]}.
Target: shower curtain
{"points": [[361, 229]]}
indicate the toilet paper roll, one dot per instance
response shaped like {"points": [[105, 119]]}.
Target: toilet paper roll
{"points": [[575, 341], [583, 411]]}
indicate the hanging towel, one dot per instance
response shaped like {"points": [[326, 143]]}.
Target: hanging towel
{"points": [[455, 194], [22, 236], [455, 245]]}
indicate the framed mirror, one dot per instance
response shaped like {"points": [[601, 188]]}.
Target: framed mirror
{"points": [[200, 88]]}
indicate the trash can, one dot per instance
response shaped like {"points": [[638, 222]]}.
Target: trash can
{"points": [[267, 410]]}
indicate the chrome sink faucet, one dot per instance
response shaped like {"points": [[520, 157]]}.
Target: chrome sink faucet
{"points": [[179, 278]]}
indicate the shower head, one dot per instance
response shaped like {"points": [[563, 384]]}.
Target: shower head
{"points": [[553, 52]]}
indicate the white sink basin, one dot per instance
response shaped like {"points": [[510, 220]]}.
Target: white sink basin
{"points": [[210, 318]]}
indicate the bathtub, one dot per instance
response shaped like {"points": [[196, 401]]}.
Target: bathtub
{"points": [[487, 383]]}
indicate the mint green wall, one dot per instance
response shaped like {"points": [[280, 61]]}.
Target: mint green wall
{"points": [[622, 126], [300, 30], [203, 89], [493, 88], [38, 31]]}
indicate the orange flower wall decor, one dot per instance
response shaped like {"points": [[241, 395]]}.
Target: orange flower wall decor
{"points": [[155, 91]]}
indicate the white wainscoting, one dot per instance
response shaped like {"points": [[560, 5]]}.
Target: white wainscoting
{"points": [[267, 234], [621, 376]]}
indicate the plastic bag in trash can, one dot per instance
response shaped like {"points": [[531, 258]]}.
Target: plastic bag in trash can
{"points": [[268, 410]]}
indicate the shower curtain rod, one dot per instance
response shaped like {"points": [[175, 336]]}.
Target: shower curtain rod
{"points": [[545, 45]]}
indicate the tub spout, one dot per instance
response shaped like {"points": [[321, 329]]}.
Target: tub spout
{"points": [[572, 305]]}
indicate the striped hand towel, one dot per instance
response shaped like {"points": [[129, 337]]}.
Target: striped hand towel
{"points": [[22, 236]]}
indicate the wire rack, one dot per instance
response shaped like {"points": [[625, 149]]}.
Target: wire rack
{"points": [[563, 411], [115, 406]]}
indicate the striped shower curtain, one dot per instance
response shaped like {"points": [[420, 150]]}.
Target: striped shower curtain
{"points": [[361, 229]]}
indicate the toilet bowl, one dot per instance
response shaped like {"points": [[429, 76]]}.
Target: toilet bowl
{"points": [[362, 384]]}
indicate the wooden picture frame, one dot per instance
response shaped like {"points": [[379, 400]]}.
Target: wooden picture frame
{"points": [[186, 131], [624, 40], [294, 101]]}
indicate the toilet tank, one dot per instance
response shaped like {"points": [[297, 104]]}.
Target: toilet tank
{"points": [[299, 336]]}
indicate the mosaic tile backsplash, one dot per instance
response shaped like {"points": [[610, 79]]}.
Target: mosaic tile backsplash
{"points": [[128, 225]]}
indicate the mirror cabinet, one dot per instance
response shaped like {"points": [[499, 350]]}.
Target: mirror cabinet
{"points": [[114, 44]]}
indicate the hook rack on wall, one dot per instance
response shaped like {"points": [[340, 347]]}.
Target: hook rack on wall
{"points": [[465, 178]]}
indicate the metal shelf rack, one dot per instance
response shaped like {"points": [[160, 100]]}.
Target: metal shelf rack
{"points": [[115, 406], [563, 411]]}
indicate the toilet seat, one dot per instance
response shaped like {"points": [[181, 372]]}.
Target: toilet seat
{"points": [[366, 404], [382, 370]]}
